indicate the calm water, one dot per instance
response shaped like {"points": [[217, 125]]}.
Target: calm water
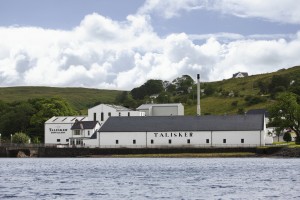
{"points": [[150, 178]]}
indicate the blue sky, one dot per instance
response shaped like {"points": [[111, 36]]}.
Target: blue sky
{"points": [[119, 44]]}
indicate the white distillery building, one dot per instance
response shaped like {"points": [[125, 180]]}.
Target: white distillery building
{"points": [[103, 111], [58, 129], [182, 131], [173, 109]]}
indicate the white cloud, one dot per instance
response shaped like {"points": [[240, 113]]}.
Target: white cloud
{"points": [[283, 11], [167, 8], [287, 11], [102, 53]]}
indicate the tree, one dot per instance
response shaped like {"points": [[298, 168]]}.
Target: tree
{"points": [[147, 89], [279, 83], [47, 108], [20, 138], [285, 113], [287, 136], [183, 83]]}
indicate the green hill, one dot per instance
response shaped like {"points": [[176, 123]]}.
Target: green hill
{"points": [[220, 102], [79, 98]]}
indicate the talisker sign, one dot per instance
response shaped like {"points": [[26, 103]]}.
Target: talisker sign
{"points": [[57, 130], [172, 135]]}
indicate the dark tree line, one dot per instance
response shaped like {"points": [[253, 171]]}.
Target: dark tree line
{"points": [[29, 116]]}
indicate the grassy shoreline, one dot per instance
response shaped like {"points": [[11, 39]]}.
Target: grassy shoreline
{"points": [[181, 155]]}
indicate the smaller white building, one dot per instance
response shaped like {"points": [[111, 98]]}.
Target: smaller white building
{"points": [[103, 111], [240, 75], [173, 109], [83, 133], [58, 129]]}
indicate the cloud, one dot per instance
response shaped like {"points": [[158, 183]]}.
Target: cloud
{"points": [[107, 54], [287, 11]]}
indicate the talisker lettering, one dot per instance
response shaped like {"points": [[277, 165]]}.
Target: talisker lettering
{"points": [[172, 135]]}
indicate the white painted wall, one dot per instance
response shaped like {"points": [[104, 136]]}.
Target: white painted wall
{"points": [[162, 109], [106, 109], [125, 139], [51, 135], [179, 139], [233, 138]]}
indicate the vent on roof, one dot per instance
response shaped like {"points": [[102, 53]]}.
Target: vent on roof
{"points": [[64, 119], [73, 119], [82, 119], [55, 119]]}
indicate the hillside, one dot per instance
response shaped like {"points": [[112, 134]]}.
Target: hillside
{"points": [[247, 86], [221, 102], [79, 98]]}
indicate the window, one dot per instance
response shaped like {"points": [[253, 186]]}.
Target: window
{"points": [[188, 141], [95, 117], [224, 141], [207, 141], [109, 114], [242, 141], [58, 140], [128, 114], [67, 140], [88, 132], [170, 141], [102, 116], [152, 141], [77, 132], [134, 141], [117, 141]]}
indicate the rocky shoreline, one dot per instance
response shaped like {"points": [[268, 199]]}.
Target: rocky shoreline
{"points": [[288, 152], [279, 151]]}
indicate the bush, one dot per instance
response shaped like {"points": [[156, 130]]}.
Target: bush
{"points": [[252, 100], [20, 138], [287, 137], [234, 103]]}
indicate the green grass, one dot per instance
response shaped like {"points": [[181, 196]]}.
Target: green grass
{"points": [[187, 155], [79, 98], [288, 144]]}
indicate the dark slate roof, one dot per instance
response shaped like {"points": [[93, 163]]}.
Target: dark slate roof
{"points": [[84, 125], [94, 136], [184, 123], [258, 111]]}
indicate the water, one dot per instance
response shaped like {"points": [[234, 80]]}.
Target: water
{"points": [[149, 178]]}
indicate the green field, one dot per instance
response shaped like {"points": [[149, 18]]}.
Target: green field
{"points": [[79, 98]]}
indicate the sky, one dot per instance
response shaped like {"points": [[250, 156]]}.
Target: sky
{"points": [[120, 44]]}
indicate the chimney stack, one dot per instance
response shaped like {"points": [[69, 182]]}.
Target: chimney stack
{"points": [[198, 95]]}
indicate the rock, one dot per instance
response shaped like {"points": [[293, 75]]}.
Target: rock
{"points": [[21, 154]]}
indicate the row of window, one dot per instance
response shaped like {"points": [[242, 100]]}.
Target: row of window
{"points": [[188, 141], [78, 132], [109, 115], [58, 140]]}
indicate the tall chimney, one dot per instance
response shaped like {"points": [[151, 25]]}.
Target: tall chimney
{"points": [[198, 95]]}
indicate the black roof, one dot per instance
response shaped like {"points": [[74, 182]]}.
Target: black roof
{"points": [[184, 123], [258, 111], [84, 125]]}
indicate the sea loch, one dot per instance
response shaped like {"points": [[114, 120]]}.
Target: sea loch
{"points": [[149, 178]]}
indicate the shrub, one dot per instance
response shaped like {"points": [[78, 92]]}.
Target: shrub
{"points": [[287, 137], [20, 138]]}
